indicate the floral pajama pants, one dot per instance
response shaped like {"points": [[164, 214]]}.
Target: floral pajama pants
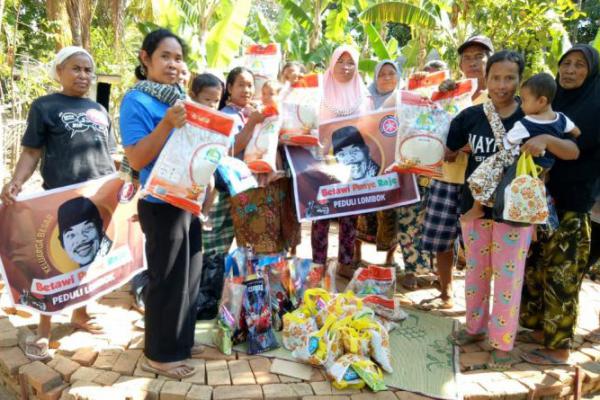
{"points": [[495, 250], [319, 237]]}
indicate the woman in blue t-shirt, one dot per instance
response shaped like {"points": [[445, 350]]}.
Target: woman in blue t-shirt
{"points": [[149, 113]]}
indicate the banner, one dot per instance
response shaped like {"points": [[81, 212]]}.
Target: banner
{"points": [[63, 247], [346, 176]]}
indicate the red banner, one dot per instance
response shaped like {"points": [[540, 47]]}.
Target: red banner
{"points": [[63, 247]]}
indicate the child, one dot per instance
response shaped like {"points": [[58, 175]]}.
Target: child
{"points": [[206, 90], [291, 72], [537, 94], [270, 93]]}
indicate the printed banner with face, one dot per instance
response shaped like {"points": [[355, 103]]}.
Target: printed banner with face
{"points": [[63, 247], [346, 176]]}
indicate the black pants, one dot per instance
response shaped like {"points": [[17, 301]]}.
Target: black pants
{"points": [[595, 247], [174, 256]]}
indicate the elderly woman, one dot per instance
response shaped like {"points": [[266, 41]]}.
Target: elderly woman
{"points": [[559, 262], [495, 249], [70, 154], [344, 95]]}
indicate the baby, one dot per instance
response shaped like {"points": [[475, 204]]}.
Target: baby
{"points": [[537, 94], [207, 90]]}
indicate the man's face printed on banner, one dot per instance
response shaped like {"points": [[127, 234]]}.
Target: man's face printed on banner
{"points": [[82, 242], [355, 157]]}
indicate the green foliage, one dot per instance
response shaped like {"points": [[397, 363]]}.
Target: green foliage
{"points": [[401, 12], [224, 38]]}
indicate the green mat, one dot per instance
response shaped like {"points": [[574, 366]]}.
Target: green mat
{"points": [[423, 359]]}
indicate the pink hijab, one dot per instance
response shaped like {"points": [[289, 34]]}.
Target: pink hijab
{"points": [[342, 99]]}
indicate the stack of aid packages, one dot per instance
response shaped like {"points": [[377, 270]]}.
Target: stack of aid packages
{"points": [[347, 333], [424, 115]]}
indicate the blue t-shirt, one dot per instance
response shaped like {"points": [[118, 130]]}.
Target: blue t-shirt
{"points": [[140, 114], [238, 125]]}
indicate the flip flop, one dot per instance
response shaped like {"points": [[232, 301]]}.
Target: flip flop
{"points": [[527, 337], [169, 373], [543, 359], [435, 303], [462, 337], [409, 281], [497, 363], [36, 349]]}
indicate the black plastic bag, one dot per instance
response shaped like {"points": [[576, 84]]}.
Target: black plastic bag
{"points": [[211, 285], [510, 173]]}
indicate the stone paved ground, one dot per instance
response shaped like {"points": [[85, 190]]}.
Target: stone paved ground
{"points": [[106, 366]]}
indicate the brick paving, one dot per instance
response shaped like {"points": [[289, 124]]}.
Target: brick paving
{"points": [[99, 367]]}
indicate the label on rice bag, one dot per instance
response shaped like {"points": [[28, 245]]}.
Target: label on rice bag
{"points": [[263, 60], [186, 163]]}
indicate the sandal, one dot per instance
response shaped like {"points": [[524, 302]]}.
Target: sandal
{"points": [[36, 348], [410, 281], [462, 337], [173, 373], [435, 303], [538, 357], [498, 363], [527, 337]]}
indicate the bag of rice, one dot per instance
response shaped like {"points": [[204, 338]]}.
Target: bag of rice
{"points": [[261, 153], [300, 112], [263, 61], [373, 279], [426, 83], [188, 160]]}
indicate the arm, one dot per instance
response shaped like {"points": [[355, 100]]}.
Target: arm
{"points": [[244, 136], [456, 138], [25, 166], [148, 148], [561, 148]]}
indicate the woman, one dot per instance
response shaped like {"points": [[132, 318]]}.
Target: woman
{"points": [[495, 249], [149, 113], [69, 155], [344, 95], [368, 228], [558, 263]]}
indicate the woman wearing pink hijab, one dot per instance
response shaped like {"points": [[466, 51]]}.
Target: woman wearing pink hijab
{"points": [[344, 95]]}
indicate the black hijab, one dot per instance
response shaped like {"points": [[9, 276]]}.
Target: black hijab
{"points": [[571, 182]]}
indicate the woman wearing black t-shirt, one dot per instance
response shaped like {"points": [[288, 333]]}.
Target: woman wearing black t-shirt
{"points": [[559, 262], [71, 136], [495, 249]]}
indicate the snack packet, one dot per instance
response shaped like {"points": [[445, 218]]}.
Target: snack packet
{"points": [[258, 317], [237, 176], [261, 153], [230, 317], [263, 61], [305, 275], [188, 160], [223, 338], [330, 275], [300, 112], [370, 373], [373, 280], [279, 290]]}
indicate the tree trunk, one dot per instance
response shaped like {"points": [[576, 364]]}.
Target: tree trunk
{"points": [[73, 9], [117, 8], [315, 35], [2, 4], [80, 17]]}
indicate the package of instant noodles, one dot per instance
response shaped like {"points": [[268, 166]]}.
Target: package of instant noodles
{"points": [[188, 160], [261, 153], [300, 112], [263, 61]]}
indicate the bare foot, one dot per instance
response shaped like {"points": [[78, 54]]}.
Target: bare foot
{"points": [[175, 369], [82, 320]]}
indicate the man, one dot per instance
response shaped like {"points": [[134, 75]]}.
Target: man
{"points": [[440, 227], [350, 149], [81, 231]]}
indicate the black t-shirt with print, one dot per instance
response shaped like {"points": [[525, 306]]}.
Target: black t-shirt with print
{"points": [[75, 136], [471, 126]]}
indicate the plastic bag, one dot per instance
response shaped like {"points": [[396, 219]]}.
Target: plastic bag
{"points": [[370, 373], [258, 317], [236, 175], [422, 132], [188, 160], [297, 327], [330, 276], [322, 347], [211, 285], [525, 198], [305, 275], [280, 282], [223, 338], [230, 316], [427, 84], [261, 153], [342, 373], [263, 61], [388, 308], [373, 280], [300, 112], [378, 339]]}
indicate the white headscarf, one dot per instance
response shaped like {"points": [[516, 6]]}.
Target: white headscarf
{"points": [[65, 54]]}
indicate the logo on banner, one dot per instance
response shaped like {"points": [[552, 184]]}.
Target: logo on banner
{"points": [[388, 126]]}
